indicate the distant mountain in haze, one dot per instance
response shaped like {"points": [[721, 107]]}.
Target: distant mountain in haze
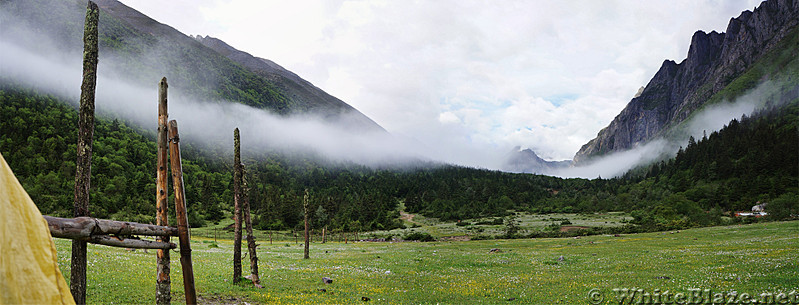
{"points": [[758, 46], [527, 161]]}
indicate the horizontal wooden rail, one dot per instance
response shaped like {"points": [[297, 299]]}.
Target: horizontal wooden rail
{"points": [[99, 231], [128, 242]]}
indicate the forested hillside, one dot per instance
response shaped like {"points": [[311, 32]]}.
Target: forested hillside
{"points": [[753, 159]]}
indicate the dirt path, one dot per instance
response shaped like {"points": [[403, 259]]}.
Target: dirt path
{"points": [[408, 217], [569, 228]]}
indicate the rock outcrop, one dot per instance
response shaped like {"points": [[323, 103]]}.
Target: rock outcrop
{"points": [[677, 89]]}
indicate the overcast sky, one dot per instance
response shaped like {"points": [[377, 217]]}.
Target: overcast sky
{"points": [[471, 77]]}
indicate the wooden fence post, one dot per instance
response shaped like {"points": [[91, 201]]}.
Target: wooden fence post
{"points": [[163, 281], [236, 207], [250, 237], [180, 211], [85, 139], [305, 208]]}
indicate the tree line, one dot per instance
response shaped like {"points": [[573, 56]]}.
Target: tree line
{"points": [[752, 159]]}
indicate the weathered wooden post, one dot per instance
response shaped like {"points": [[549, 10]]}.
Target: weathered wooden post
{"points": [[85, 139], [323, 235], [236, 207], [305, 208], [163, 281], [180, 211], [250, 237]]}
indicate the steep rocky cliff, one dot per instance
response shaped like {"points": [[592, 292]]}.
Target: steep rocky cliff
{"points": [[714, 60]]}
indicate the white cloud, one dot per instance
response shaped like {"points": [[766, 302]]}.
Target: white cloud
{"points": [[448, 118], [474, 76]]}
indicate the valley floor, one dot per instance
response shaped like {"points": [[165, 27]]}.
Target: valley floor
{"points": [[753, 259]]}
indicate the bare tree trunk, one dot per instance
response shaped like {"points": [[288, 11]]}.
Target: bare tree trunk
{"points": [[250, 237], [305, 208], [163, 281], [236, 207], [85, 139], [181, 215]]}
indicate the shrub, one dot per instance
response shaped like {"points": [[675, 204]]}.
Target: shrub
{"points": [[420, 236]]}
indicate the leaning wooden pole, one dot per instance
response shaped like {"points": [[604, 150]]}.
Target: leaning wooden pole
{"points": [[181, 215], [306, 254], [236, 207], [163, 281], [250, 237], [85, 139]]}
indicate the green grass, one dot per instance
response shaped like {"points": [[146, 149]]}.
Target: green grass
{"points": [[439, 229], [527, 223], [752, 259]]}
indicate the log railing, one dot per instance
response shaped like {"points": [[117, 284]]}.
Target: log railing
{"points": [[110, 232]]}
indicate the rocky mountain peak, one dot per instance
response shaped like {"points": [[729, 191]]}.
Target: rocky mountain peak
{"points": [[705, 47], [676, 90], [527, 161]]}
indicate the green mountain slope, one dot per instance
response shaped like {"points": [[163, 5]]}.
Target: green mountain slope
{"points": [[143, 50], [294, 87]]}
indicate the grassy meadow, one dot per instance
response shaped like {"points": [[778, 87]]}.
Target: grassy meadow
{"points": [[754, 259], [485, 227]]}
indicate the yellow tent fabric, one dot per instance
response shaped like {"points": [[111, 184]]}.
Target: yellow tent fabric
{"points": [[29, 271]]}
